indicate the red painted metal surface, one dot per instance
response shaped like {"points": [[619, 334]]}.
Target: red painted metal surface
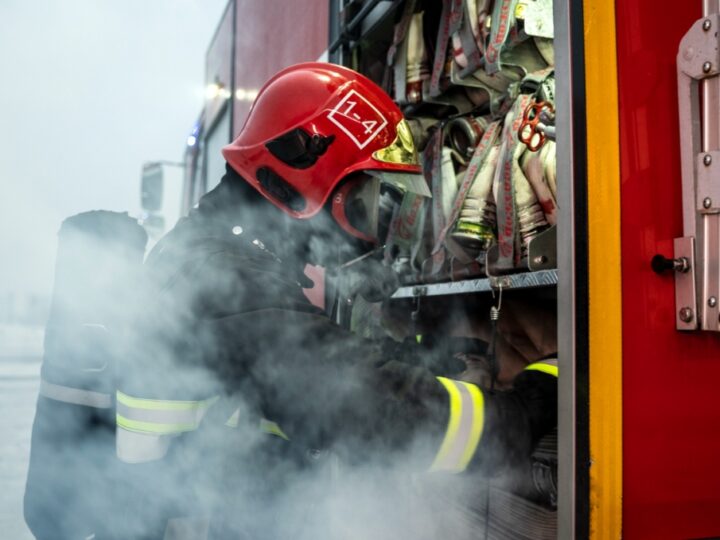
{"points": [[271, 35], [218, 67], [671, 406]]}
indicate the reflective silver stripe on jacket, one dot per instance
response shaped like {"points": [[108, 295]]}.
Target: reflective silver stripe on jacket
{"points": [[465, 426], [132, 447], [75, 396]]}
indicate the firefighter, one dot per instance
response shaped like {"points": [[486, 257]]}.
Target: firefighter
{"points": [[225, 339]]}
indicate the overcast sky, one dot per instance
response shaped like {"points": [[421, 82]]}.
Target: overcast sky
{"points": [[89, 90]]}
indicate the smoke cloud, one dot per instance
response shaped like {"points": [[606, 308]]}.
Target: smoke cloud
{"points": [[78, 127], [221, 317], [91, 90]]}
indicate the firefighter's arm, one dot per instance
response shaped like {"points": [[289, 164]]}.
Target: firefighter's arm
{"points": [[495, 429], [330, 387]]}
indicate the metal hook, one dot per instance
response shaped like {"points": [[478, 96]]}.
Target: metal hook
{"points": [[492, 357], [500, 289]]}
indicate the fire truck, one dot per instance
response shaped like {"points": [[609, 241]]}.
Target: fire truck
{"points": [[631, 256]]}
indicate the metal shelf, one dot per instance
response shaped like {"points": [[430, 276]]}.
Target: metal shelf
{"points": [[525, 280]]}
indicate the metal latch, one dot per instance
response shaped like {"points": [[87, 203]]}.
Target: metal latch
{"points": [[697, 254]]}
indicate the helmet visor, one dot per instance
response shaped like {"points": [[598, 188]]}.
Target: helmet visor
{"points": [[404, 182], [371, 200]]}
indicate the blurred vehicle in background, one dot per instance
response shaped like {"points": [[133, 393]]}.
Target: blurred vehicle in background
{"points": [[161, 197]]}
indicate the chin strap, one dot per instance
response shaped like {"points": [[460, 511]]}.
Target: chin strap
{"points": [[356, 260]]}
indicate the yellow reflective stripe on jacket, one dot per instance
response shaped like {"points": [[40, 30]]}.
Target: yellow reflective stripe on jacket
{"points": [[159, 416], [234, 419], [266, 426], [465, 426], [547, 366], [270, 427]]}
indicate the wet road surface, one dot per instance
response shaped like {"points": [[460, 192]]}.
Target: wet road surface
{"points": [[20, 357]]}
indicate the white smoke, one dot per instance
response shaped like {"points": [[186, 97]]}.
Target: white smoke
{"points": [[78, 127], [352, 468], [90, 90]]}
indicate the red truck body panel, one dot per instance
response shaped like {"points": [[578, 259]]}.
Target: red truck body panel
{"points": [[218, 67], [671, 410], [293, 31]]}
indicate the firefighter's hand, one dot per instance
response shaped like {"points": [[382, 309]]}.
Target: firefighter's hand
{"points": [[439, 356]]}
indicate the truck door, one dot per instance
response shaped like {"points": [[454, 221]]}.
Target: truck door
{"points": [[670, 414]]}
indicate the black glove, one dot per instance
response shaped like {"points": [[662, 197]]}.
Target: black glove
{"points": [[438, 354]]}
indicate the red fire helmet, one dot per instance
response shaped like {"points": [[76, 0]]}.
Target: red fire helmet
{"points": [[312, 125]]}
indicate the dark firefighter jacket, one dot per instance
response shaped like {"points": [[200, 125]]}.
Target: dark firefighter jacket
{"points": [[226, 339]]}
